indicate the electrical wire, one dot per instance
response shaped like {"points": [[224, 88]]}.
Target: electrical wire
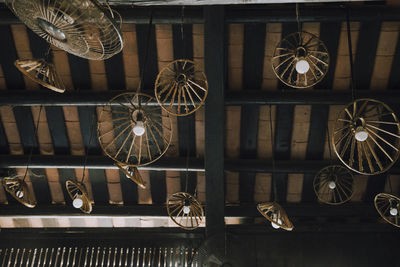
{"points": [[88, 147], [35, 142], [273, 156], [352, 80]]}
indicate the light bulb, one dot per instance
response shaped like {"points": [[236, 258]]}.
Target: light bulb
{"points": [[276, 226], [332, 185], [77, 202], [361, 134], [19, 194], [186, 209], [302, 66], [139, 129], [393, 211]]}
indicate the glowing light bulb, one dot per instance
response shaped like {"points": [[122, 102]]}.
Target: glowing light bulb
{"points": [[276, 226], [361, 134], [302, 66], [19, 194], [77, 202], [332, 185], [186, 209], [393, 211], [139, 129]]}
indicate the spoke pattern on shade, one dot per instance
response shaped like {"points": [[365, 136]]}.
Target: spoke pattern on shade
{"points": [[334, 185], [75, 189], [185, 210], [274, 213], [180, 88], [305, 47], [41, 72], [19, 190], [133, 174], [83, 28], [120, 142], [381, 129], [383, 203]]}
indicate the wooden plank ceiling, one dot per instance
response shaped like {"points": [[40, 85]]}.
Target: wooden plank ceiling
{"points": [[299, 131]]}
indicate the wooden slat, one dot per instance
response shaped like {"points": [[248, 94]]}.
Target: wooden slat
{"points": [[130, 57], [253, 63], [386, 49], [235, 56], [342, 69], [273, 37]]}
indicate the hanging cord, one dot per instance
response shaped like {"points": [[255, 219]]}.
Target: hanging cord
{"points": [[141, 81], [187, 157], [273, 156], [390, 185], [298, 18], [329, 144], [34, 143], [182, 32], [88, 147], [353, 93]]}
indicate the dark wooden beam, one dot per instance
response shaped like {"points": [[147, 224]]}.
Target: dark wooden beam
{"points": [[233, 98], [247, 14], [172, 164], [294, 210], [253, 64], [214, 43]]}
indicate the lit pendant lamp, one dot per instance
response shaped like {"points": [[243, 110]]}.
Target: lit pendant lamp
{"points": [[132, 173], [84, 28], [19, 190], [301, 59], [366, 137], [133, 131], [272, 211], [334, 185], [80, 200], [41, 72], [16, 186], [388, 207], [185, 210]]}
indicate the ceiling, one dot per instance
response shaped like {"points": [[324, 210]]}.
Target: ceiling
{"points": [[300, 134]]}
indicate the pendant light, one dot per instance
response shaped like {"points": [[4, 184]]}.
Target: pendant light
{"points": [[17, 186], [301, 59], [366, 136], [76, 189], [181, 88], [334, 184], [183, 208], [138, 133], [84, 28], [272, 211], [41, 72], [388, 206]]}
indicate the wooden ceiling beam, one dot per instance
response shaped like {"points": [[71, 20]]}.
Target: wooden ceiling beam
{"points": [[171, 164], [246, 14], [232, 98]]}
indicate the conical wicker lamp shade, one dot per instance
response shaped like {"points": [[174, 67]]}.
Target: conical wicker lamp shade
{"points": [[18, 189], [42, 72], [185, 210], [80, 27], [77, 190], [274, 213]]}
